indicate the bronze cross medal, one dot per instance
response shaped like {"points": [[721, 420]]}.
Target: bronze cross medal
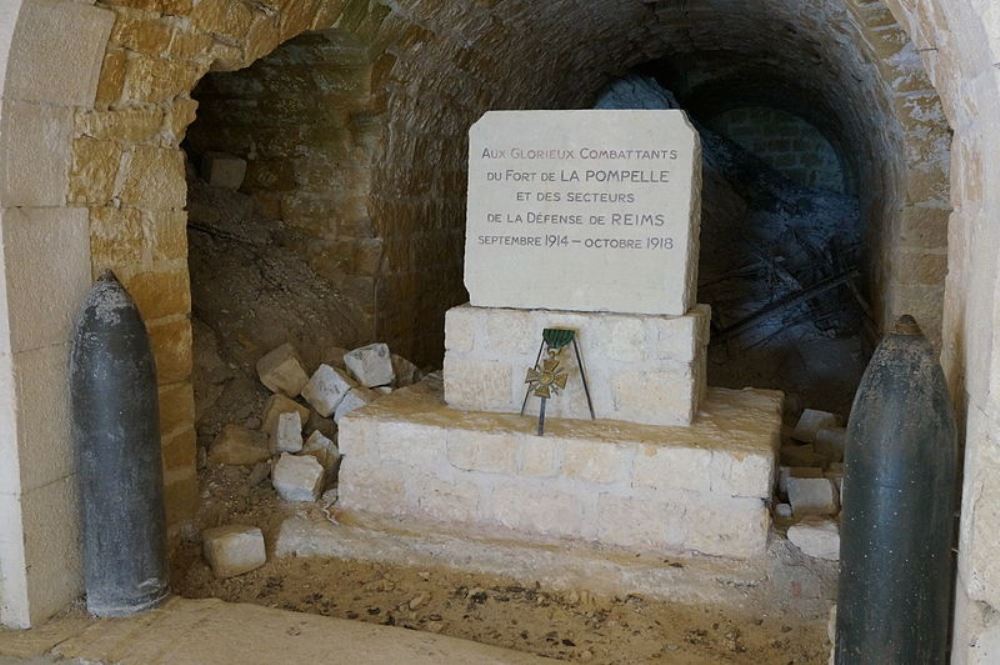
{"points": [[547, 380]]}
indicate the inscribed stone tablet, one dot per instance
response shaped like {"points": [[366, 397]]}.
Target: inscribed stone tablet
{"points": [[584, 210]]}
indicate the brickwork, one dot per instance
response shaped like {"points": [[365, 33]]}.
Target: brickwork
{"points": [[301, 118], [787, 143], [662, 489]]}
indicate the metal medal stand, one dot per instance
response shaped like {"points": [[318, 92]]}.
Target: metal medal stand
{"points": [[547, 379]]}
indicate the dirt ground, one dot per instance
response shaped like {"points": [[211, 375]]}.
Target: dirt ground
{"points": [[501, 612], [574, 626]]}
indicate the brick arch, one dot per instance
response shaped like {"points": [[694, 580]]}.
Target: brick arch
{"points": [[93, 176]]}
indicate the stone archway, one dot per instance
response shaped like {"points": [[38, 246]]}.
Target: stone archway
{"points": [[93, 177]]}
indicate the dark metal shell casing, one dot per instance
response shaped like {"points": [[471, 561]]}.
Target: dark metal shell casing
{"points": [[116, 433], [899, 502]]}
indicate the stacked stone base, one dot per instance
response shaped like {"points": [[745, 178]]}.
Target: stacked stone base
{"points": [[643, 488], [640, 368]]}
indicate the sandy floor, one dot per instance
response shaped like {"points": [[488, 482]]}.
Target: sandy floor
{"points": [[574, 626]]}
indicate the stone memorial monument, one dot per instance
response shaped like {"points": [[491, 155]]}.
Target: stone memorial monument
{"points": [[587, 222]]}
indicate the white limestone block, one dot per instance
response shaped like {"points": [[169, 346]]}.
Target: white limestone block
{"points": [[812, 496], [811, 422], [287, 434], [323, 449], [817, 537], [786, 472], [298, 478], [371, 365], [239, 446], [281, 371], [353, 400], [234, 550], [222, 170], [326, 389], [278, 404], [645, 369], [646, 246], [704, 486]]}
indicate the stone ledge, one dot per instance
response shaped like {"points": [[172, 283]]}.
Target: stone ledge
{"points": [[682, 489], [640, 368]]}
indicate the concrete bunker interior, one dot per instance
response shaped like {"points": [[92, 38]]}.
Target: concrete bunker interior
{"points": [[369, 200]]}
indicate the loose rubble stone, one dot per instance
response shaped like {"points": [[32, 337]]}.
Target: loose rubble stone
{"points": [[287, 434], [326, 389], [323, 449], [278, 404], [830, 443], [406, 372], [812, 496], [239, 446], [371, 365], [783, 510], [801, 456], [786, 472], [817, 537], [234, 550], [811, 422], [221, 170], [357, 398], [383, 390], [298, 478], [281, 371]]}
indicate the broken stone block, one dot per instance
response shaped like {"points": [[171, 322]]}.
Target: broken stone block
{"points": [[830, 443], [326, 389], [801, 456], [811, 422], [817, 537], [406, 372], [323, 449], [287, 434], [234, 550], [371, 365], [222, 170], [278, 404], [239, 446], [298, 478], [783, 510], [812, 496], [281, 371], [357, 398], [786, 472]]}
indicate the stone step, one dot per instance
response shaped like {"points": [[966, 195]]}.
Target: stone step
{"points": [[644, 488]]}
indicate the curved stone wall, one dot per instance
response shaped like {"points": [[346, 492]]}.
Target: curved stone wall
{"points": [[93, 177]]}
